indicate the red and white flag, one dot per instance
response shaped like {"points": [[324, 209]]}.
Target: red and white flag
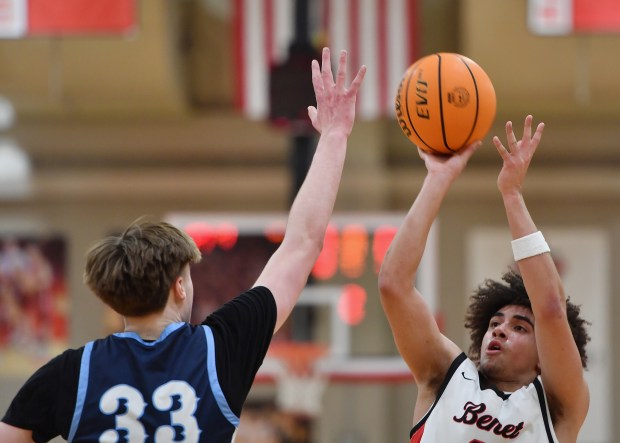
{"points": [[563, 17], [32, 18], [380, 34]]}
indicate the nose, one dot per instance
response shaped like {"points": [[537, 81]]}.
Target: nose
{"points": [[498, 331]]}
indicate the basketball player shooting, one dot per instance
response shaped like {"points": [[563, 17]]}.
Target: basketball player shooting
{"points": [[523, 380]]}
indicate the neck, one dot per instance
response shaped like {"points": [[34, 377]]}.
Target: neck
{"points": [[505, 385], [150, 326], [508, 387]]}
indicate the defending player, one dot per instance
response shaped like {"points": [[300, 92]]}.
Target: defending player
{"points": [[165, 380]]}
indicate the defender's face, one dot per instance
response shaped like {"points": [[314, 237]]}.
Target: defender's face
{"points": [[508, 352]]}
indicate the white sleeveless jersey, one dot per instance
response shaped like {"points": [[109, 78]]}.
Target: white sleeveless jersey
{"points": [[465, 413]]}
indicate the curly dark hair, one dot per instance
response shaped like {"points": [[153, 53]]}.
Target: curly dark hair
{"points": [[493, 295]]}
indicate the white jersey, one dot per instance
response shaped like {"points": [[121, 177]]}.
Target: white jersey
{"points": [[463, 412]]}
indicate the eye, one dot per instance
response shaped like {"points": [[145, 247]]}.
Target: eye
{"points": [[520, 328], [493, 324]]}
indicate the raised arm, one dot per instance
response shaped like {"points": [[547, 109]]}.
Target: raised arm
{"points": [[561, 370], [425, 350], [288, 269]]}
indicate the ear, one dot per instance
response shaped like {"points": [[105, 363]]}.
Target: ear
{"points": [[179, 288]]}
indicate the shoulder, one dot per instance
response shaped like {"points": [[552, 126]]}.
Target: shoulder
{"points": [[429, 395], [460, 363], [70, 356], [434, 390], [251, 315], [257, 301], [257, 294], [462, 369], [66, 363]]}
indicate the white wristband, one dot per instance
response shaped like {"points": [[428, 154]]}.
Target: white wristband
{"points": [[529, 246]]}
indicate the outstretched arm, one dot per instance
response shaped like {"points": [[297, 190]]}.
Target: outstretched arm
{"points": [[561, 369], [425, 350], [288, 269]]}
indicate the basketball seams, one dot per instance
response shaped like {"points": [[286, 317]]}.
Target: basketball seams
{"points": [[406, 101], [473, 78], [441, 116]]}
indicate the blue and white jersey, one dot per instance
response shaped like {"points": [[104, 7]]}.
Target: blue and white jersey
{"points": [[464, 412], [136, 391]]}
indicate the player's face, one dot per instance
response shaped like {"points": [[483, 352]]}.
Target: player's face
{"points": [[508, 353]]}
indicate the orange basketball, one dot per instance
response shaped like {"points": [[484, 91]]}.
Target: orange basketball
{"points": [[444, 102]]}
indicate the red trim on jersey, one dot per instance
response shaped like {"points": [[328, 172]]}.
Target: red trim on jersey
{"points": [[417, 437]]}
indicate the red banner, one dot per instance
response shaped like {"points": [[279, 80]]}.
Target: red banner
{"points": [[565, 17], [596, 16], [381, 34], [26, 18]]}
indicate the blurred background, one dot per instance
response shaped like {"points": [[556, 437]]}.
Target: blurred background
{"points": [[194, 111]]}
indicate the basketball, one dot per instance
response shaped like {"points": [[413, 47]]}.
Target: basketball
{"points": [[444, 102]]}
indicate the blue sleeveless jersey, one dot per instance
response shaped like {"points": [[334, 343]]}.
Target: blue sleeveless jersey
{"points": [[135, 391]]}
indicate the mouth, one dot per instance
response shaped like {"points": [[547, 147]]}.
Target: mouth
{"points": [[494, 347]]}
